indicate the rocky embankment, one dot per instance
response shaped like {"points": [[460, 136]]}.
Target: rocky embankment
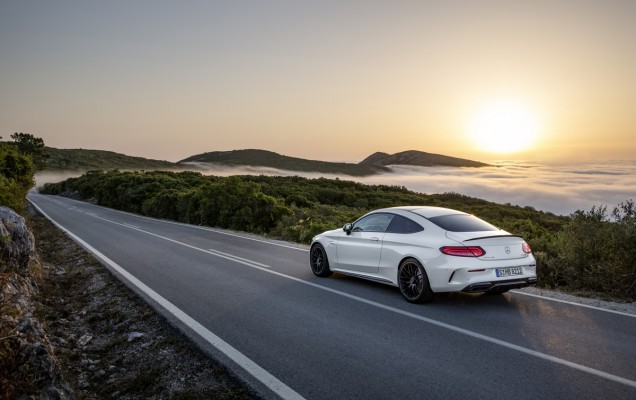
{"points": [[27, 361], [69, 329]]}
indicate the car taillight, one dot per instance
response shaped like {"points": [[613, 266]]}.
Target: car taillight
{"points": [[526, 248], [463, 251]]}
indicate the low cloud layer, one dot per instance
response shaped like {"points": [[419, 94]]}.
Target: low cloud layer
{"points": [[561, 189]]}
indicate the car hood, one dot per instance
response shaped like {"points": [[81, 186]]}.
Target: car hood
{"points": [[331, 233]]}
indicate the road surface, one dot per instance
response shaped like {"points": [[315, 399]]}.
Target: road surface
{"points": [[254, 304]]}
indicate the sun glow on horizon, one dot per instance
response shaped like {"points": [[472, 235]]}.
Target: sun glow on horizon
{"points": [[504, 127]]}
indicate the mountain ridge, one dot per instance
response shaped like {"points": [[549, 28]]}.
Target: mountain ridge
{"points": [[376, 163], [270, 159]]}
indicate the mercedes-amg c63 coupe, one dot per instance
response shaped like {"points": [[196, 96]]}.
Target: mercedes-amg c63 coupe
{"points": [[426, 250]]}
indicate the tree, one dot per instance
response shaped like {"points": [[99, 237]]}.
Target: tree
{"points": [[28, 144]]}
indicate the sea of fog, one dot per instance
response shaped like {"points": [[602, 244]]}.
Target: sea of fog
{"points": [[561, 189]]}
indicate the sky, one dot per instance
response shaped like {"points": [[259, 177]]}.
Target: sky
{"points": [[545, 80]]}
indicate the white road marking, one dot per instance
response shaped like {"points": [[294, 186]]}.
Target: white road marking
{"points": [[241, 236], [128, 225], [267, 379], [306, 250], [211, 252], [301, 249], [203, 228], [574, 303], [440, 324], [237, 258]]}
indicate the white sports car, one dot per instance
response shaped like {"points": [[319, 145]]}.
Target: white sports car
{"points": [[426, 250]]}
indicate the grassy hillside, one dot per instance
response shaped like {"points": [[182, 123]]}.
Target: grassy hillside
{"points": [[375, 163], [263, 158], [84, 160]]}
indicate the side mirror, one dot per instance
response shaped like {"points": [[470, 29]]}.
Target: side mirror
{"points": [[347, 228]]}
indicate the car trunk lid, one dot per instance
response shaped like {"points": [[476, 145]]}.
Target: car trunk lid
{"points": [[500, 246]]}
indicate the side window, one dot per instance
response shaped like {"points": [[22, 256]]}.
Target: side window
{"points": [[373, 223], [401, 224]]}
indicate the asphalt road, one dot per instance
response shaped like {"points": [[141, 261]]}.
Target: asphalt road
{"points": [[255, 304]]}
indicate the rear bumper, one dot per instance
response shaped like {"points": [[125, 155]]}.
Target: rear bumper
{"points": [[499, 285]]}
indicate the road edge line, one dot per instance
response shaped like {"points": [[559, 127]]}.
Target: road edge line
{"points": [[573, 303], [249, 366], [467, 332], [457, 329], [203, 228], [266, 241]]}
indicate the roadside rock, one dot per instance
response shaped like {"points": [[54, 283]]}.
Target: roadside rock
{"points": [[54, 394], [27, 360], [16, 243], [83, 341], [134, 335], [39, 360], [30, 328]]}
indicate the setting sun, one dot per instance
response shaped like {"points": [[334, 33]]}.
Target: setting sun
{"points": [[504, 127]]}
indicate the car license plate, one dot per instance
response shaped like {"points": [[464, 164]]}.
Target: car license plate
{"points": [[502, 272]]}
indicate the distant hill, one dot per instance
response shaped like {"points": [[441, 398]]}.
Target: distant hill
{"points": [[84, 160], [264, 158], [418, 158]]}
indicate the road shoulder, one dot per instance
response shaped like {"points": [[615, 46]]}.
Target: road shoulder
{"points": [[109, 342]]}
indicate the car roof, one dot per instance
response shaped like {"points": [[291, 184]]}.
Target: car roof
{"points": [[425, 211]]}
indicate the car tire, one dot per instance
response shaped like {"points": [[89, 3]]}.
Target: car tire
{"points": [[413, 282], [318, 261]]}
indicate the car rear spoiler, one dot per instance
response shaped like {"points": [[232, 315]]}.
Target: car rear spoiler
{"points": [[491, 237]]}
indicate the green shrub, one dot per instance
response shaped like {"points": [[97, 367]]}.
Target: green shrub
{"points": [[16, 177], [293, 208], [596, 252]]}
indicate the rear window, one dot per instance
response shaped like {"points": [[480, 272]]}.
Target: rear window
{"points": [[462, 223]]}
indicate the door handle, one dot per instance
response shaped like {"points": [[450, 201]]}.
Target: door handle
{"points": [[374, 239]]}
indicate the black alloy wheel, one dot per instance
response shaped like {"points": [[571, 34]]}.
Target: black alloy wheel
{"points": [[413, 282], [318, 261]]}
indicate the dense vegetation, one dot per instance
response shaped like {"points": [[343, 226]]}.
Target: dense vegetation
{"points": [[596, 252], [18, 162], [588, 251], [85, 160]]}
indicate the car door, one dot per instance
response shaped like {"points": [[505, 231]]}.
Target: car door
{"points": [[403, 238], [359, 251]]}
